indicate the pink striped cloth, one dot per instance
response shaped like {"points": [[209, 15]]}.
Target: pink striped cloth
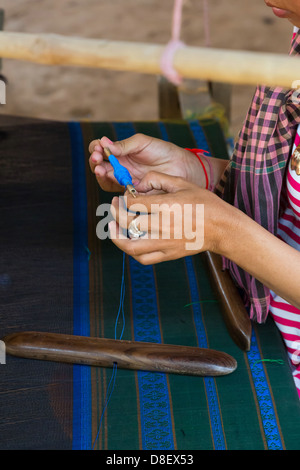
{"points": [[255, 178], [286, 316]]}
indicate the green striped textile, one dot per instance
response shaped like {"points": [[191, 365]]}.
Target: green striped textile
{"points": [[57, 276]]}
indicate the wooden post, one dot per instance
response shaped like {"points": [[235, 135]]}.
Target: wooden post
{"points": [[168, 101]]}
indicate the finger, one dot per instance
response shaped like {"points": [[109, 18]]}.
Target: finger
{"points": [[93, 144], [151, 192], [151, 203], [161, 182], [115, 231], [124, 217], [150, 258], [100, 143], [105, 178], [134, 144], [143, 250], [122, 148], [95, 159], [96, 167], [129, 205], [96, 149]]}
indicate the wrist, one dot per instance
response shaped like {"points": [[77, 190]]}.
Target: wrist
{"points": [[202, 175], [228, 223]]}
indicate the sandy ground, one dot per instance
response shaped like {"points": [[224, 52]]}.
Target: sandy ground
{"points": [[76, 93]]}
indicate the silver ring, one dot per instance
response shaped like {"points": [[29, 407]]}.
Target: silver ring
{"points": [[133, 231]]}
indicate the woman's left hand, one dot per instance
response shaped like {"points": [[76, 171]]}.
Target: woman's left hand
{"points": [[177, 219]]}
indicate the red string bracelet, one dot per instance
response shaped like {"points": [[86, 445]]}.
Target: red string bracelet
{"points": [[196, 151]]}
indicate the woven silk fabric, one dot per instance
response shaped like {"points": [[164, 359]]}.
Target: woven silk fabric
{"points": [[57, 276], [254, 179]]}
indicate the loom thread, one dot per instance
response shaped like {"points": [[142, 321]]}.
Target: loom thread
{"points": [[275, 361], [112, 381], [201, 302]]}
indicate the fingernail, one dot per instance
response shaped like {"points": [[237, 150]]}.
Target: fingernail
{"points": [[98, 148], [109, 140]]}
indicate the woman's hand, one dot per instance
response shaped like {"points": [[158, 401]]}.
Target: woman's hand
{"points": [[141, 154], [179, 220]]}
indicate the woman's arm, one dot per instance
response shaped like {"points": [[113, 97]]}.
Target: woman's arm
{"points": [[261, 254]]}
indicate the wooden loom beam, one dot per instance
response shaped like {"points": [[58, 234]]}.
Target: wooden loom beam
{"points": [[227, 66]]}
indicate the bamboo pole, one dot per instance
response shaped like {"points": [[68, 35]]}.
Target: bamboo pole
{"points": [[239, 67]]}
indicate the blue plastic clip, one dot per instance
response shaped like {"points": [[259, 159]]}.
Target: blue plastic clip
{"points": [[121, 173]]}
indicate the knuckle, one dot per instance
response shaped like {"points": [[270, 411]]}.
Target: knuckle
{"points": [[131, 249], [143, 260], [121, 144], [139, 135], [92, 145], [151, 174]]}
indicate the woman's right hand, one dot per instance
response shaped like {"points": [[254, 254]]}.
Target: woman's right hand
{"points": [[141, 154]]}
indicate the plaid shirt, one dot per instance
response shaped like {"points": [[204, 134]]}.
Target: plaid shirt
{"points": [[254, 180]]}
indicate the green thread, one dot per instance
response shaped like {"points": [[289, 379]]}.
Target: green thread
{"points": [[200, 302], [88, 252], [276, 361]]}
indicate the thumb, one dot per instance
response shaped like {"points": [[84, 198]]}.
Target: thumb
{"points": [[155, 181], [122, 148]]}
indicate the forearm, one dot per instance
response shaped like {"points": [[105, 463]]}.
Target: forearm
{"points": [[195, 171], [263, 255]]}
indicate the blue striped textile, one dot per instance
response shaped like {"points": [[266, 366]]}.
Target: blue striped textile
{"points": [[82, 409]]}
